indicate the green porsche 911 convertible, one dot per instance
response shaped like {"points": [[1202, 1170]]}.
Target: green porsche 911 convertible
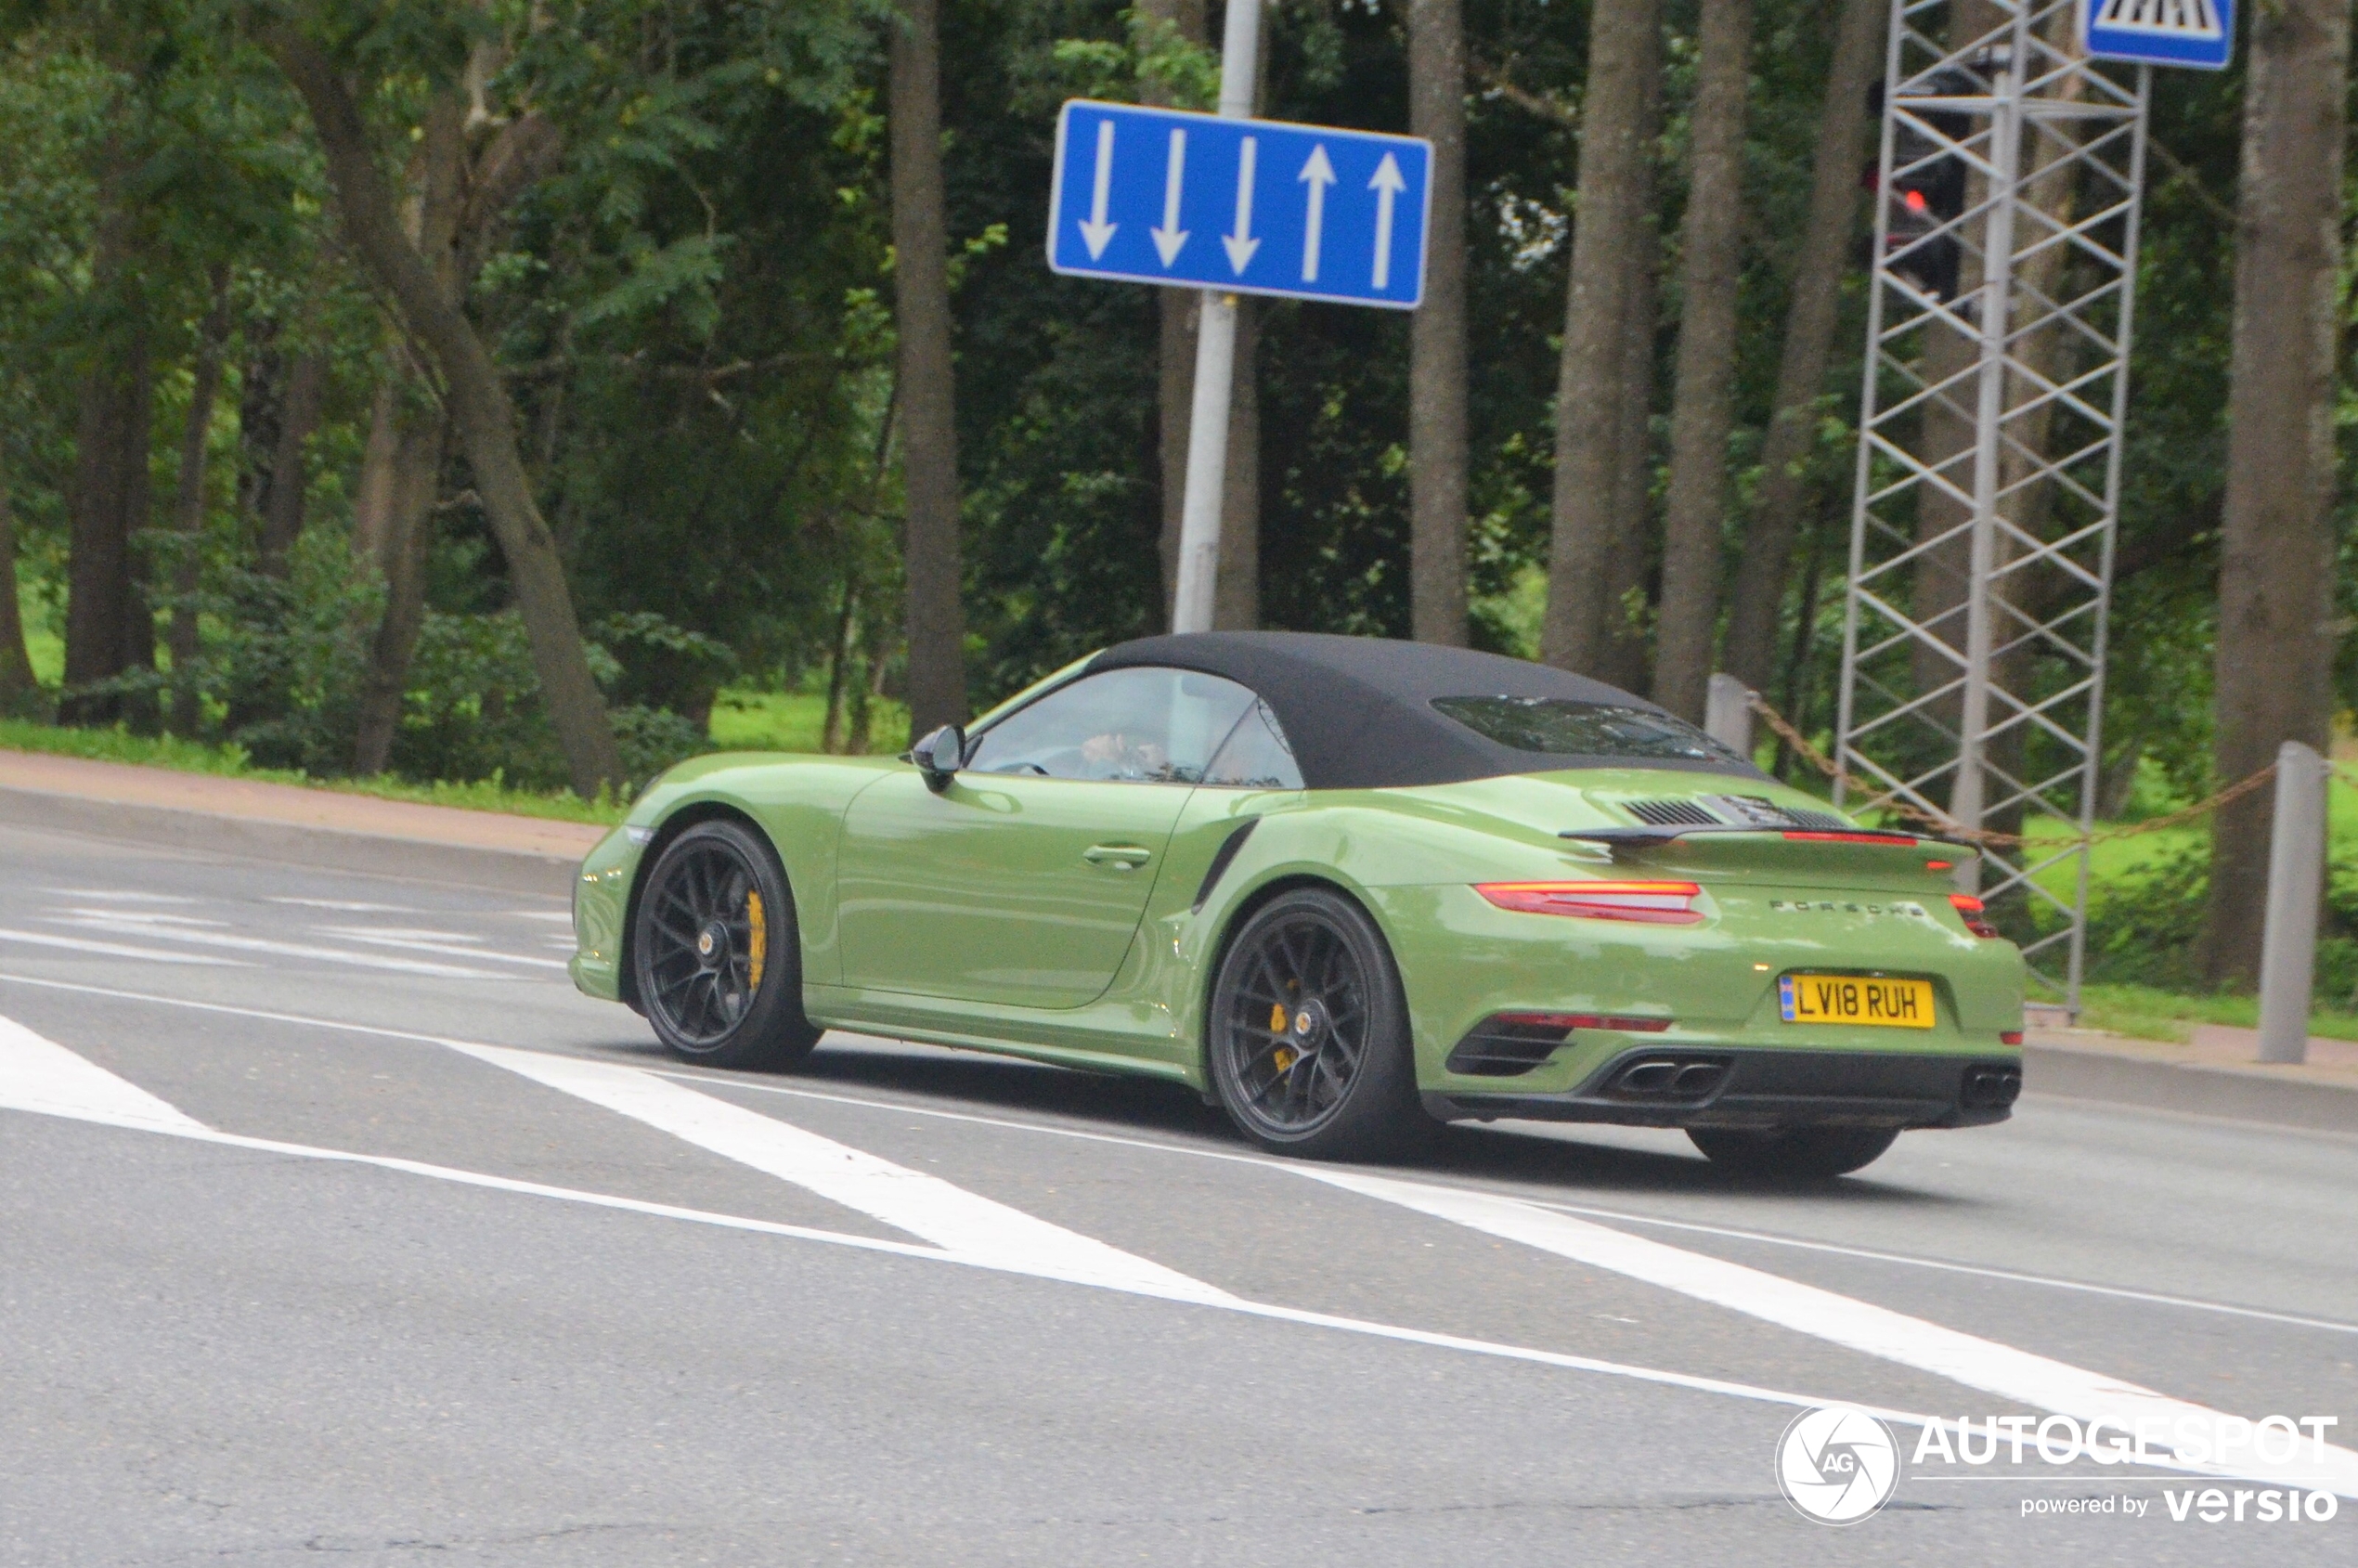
{"points": [[1347, 887]]}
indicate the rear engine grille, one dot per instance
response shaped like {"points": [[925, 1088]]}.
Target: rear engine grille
{"points": [[1754, 811], [1670, 813], [1825, 821]]}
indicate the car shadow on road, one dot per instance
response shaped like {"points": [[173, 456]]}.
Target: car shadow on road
{"points": [[1116, 1106]]}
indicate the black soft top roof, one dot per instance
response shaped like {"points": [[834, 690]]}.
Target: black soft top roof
{"points": [[1358, 710]]}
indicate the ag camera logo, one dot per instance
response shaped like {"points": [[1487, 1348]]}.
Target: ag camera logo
{"points": [[1837, 1464]]}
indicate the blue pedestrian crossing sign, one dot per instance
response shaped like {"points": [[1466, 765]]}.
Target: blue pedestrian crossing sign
{"points": [[1254, 206], [2191, 33]]}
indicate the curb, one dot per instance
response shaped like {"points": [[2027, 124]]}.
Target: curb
{"points": [[224, 836], [2190, 1088]]}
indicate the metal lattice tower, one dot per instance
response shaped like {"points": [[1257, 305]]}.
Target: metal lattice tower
{"points": [[1989, 469]]}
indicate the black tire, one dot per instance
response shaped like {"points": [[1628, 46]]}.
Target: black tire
{"points": [[716, 954], [1337, 1078], [1796, 1153]]}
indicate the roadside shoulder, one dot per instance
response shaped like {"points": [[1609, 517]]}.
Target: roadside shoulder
{"points": [[253, 819]]}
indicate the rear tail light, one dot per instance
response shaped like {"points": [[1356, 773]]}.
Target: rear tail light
{"points": [[1820, 836], [1970, 908], [1647, 903], [1570, 1021], [2010, 1037]]}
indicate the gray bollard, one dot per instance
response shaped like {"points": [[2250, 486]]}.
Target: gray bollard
{"points": [[1727, 714], [2296, 872]]}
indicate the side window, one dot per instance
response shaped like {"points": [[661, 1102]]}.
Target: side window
{"points": [[1130, 726], [1255, 755]]}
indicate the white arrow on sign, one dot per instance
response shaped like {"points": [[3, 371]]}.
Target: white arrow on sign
{"points": [[1095, 232], [1241, 244], [1387, 185], [1171, 237], [1318, 174]]}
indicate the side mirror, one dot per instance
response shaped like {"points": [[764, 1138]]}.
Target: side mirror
{"points": [[940, 755]]}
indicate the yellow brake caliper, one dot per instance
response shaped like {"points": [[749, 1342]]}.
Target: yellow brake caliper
{"points": [[1285, 1054], [757, 942]]}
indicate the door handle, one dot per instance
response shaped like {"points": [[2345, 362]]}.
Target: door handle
{"points": [[1116, 857]]}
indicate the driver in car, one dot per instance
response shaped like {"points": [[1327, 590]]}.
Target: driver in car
{"points": [[1116, 755]]}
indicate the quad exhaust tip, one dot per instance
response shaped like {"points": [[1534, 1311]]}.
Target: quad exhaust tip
{"points": [[1991, 1086], [1670, 1078]]}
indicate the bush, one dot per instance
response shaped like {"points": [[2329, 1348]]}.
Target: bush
{"points": [[472, 710], [280, 674]]}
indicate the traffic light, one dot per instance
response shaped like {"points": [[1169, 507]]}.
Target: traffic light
{"points": [[1927, 191]]}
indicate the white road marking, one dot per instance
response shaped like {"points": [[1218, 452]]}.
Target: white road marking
{"points": [[949, 1216], [418, 944], [2339, 1468], [151, 917], [563, 916], [115, 950], [142, 1119], [1963, 1359], [122, 925], [36, 1074], [1821, 1313], [1188, 1151], [2011, 1276], [119, 893], [347, 906]]}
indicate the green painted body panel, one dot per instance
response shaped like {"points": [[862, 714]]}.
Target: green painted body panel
{"points": [[958, 923], [998, 887]]}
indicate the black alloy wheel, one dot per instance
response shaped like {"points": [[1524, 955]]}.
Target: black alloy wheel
{"points": [[1792, 1153], [1308, 1034], [715, 952]]}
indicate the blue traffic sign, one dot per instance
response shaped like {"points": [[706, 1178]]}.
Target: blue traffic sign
{"points": [[2191, 33], [1256, 206]]}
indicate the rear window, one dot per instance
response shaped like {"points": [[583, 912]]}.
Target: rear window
{"points": [[1562, 727]]}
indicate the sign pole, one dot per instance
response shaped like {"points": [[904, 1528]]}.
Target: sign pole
{"points": [[1215, 366]]}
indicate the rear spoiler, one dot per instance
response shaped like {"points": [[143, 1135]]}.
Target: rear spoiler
{"points": [[1654, 837]]}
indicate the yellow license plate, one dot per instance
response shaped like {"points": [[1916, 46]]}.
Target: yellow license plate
{"points": [[1854, 999]]}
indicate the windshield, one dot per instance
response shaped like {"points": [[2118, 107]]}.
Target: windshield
{"points": [[1562, 727]]}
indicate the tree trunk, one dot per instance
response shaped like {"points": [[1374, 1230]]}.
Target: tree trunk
{"points": [[409, 435], [1694, 521], [289, 483], [421, 442], [1622, 34], [936, 618], [1437, 332], [2276, 635], [1811, 315], [109, 502], [477, 404], [16, 664], [187, 506], [838, 665], [1622, 656]]}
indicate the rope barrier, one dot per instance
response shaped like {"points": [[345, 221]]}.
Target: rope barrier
{"points": [[1948, 827]]}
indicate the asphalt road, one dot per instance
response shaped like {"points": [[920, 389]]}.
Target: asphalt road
{"points": [[333, 1221]]}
